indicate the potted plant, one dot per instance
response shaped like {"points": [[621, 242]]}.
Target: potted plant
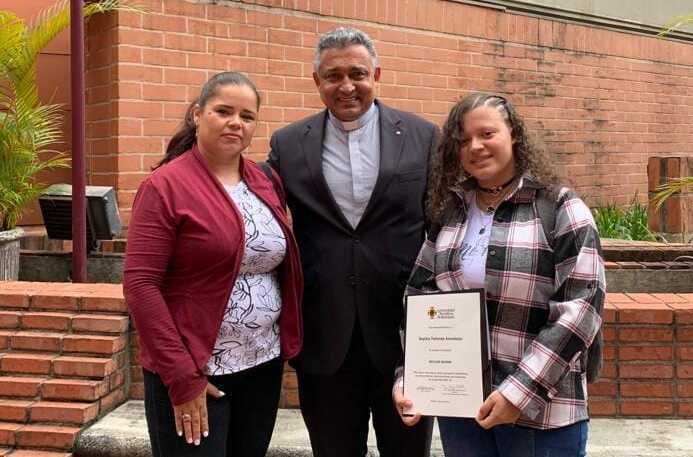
{"points": [[28, 127]]}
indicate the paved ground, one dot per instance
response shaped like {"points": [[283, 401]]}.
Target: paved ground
{"points": [[123, 433]]}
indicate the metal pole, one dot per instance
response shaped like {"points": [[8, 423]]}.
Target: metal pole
{"points": [[79, 212]]}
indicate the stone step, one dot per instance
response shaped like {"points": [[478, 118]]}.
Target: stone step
{"points": [[63, 322], [30, 411], [57, 365]]}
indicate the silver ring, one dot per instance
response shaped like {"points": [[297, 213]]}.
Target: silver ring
{"points": [[186, 417]]}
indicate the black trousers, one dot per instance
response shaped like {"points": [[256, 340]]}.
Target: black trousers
{"points": [[336, 409], [240, 423]]}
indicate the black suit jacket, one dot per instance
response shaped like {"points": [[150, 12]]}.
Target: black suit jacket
{"points": [[355, 273]]}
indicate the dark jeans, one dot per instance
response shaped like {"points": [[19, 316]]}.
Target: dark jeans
{"points": [[240, 423], [336, 409], [466, 438]]}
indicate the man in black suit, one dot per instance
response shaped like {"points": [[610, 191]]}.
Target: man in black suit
{"points": [[355, 179]]}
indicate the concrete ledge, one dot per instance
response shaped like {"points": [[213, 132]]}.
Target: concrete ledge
{"points": [[123, 433]]}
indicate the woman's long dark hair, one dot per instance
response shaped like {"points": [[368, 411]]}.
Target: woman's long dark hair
{"points": [[186, 135], [446, 167]]}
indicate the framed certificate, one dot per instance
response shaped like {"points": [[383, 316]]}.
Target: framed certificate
{"points": [[447, 363]]}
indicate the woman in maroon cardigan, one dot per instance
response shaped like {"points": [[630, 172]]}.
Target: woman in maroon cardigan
{"points": [[213, 282]]}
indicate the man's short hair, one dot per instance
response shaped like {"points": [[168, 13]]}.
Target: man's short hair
{"points": [[340, 38]]}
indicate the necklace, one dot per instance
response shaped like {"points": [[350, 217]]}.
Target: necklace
{"points": [[497, 189], [489, 202]]}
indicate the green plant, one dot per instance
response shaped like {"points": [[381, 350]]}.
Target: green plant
{"points": [[625, 224], [28, 127]]}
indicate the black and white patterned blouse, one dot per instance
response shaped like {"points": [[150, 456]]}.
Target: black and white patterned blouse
{"points": [[249, 333]]}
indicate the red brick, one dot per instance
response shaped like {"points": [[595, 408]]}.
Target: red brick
{"points": [[685, 409], [639, 334], [112, 400], [601, 388], [5, 339], [107, 304], [609, 352], [33, 453], [83, 366], [75, 413], [184, 42], [638, 313], [137, 391], [684, 370], [100, 323], [73, 389], [684, 389], [16, 386], [646, 371], [602, 407], [36, 341], [45, 321], [26, 363], [683, 316], [45, 436], [9, 319], [10, 299], [643, 298], [646, 389], [93, 344], [14, 410], [54, 302], [684, 352], [7, 433], [609, 370], [632, 353], [647, 408], [684, 333]]}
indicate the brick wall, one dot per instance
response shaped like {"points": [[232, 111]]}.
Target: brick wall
{"points": [[648, 357], [601, 100]]}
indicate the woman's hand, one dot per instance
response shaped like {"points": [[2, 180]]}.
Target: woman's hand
{"points": [[191, 417], [401, 403], [497, 410]]}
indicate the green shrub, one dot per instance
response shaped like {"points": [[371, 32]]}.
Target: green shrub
{"points": [[625, 224]]}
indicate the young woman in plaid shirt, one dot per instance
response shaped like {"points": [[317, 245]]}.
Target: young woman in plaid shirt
{"points": [[489, 190]]}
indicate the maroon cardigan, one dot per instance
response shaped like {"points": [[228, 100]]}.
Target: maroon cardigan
{"points": [[185, 245]]}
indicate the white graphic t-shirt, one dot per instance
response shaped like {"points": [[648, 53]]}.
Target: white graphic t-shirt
{"points": [[475, 246], [249, 333]]}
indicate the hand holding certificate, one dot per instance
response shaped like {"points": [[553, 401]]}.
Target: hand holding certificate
{"points": [[447, 368]]}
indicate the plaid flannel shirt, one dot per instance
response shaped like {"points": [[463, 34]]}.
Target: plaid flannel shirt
{"points": [[544, 299]]}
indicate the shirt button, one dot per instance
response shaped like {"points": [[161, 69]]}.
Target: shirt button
{"points": [[492, 252], [357, 241]]}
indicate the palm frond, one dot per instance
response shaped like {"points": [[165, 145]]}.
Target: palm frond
{"points": [[27, 127], [675, 24], [672, 187]]}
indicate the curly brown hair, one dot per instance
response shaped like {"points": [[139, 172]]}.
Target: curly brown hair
{"points": [[445, 170]]}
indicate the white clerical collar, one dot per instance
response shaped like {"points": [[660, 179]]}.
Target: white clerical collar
{"points": [[349, 126]]}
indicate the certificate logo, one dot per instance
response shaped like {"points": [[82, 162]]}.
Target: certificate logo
{"points": [[432, 312]]}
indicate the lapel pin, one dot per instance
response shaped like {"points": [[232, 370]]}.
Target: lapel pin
{"points": [[398, 132]]}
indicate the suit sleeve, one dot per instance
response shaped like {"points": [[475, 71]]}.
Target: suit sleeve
{"points": [[151, 242], [273, 158]]}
